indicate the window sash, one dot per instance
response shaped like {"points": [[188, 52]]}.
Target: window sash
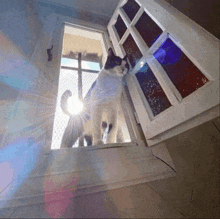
{"points": [[174, 26]]}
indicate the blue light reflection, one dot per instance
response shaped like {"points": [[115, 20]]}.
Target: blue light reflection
{"points": [[17, 160], [168, 53]]}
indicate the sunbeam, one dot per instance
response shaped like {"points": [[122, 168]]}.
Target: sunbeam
{"points": [[74, 105]]}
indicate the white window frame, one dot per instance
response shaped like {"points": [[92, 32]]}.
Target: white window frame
{"points": [[198, 45]]}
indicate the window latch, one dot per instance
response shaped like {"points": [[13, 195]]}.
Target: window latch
{"points": [[49, 53]]}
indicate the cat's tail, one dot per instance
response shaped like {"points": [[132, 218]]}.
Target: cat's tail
{"points": [[63, 102]]}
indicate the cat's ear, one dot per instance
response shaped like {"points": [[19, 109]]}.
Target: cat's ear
{"points": [[125, 58], [110, 52], [69, 93], [130, 61]]}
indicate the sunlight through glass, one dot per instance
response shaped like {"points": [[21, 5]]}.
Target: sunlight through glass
{"points": [[75, 106]]}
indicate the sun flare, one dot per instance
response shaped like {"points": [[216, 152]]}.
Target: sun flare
{"points": [[75, 106]]}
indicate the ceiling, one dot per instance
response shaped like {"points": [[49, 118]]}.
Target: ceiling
{"points": [[101, 7]]}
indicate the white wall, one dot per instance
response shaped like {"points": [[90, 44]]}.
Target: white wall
{"points": [[28, 84], [102, 7]]}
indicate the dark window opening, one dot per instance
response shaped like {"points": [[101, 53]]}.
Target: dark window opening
{"points": [[132, 50], [120, 27], [148, 29], [131, 8]]}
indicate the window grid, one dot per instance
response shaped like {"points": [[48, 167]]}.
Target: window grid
{"points": [[134, 26]]}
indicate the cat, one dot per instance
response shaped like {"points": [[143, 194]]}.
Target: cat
{"points": [[101, 105]]}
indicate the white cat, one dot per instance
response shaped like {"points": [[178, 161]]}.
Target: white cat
{"points": [[102, 104]]}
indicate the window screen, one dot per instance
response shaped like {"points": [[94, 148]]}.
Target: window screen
{"points": [[68, 81], [87, 81]]}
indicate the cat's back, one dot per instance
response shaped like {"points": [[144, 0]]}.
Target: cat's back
{"points": [[107, 85]]}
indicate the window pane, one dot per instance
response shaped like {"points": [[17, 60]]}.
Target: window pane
{"points": [[91, 65], [183, 73], [69, 62], [148, 29], [131, 8], [87, 81], [132, 50], [120, 27], [152, 90]]}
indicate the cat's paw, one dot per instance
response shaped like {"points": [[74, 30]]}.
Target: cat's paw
{"points": [[99, 142]]}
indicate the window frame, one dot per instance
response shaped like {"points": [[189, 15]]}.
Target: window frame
{"points": [[132, 126]]}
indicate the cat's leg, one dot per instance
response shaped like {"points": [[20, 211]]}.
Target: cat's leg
{"points": [[120, 137], [121, 124], [113, 126], [72, 132], [96, 117], [88, 139]]}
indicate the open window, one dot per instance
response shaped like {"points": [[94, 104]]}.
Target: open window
{"points": [[175, 76], [83, 55]]}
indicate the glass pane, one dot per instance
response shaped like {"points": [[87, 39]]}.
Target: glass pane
{"points": [[132, 50], [69, 62], [87, 81], [131, 8], [91, 65], [120, 27], [183, 73], [148, 29], [152, 90]]}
